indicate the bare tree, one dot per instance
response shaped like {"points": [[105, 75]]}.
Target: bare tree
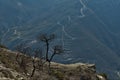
{"points": [[37, 60], [37, 54], [56, 51], [46, 39], [34, 66], [0, 40], [19, 49], [40, 61], [0, 44], [20, 58]]}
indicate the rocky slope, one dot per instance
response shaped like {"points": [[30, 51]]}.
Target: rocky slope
{"points": [[88, 28], [10, 70]]}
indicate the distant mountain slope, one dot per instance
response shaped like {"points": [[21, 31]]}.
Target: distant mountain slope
{"points": [[89, 29]]}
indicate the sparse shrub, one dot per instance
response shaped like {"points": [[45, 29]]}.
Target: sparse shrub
{"points": [[6, 73], [3, 46], [58, 74], [79, 68], [22, 60]]}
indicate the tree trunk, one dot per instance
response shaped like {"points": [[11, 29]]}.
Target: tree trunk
{"points": [[47, 45], [34, 68]]}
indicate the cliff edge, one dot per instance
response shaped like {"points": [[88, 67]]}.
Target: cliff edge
{"points": [[10, 69]]}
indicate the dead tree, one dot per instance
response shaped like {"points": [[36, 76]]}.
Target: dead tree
{"points": [[19, 48], [0, 40], [34, 67], [20, 58], [56, 51], [40, 61], [37, 57], [46, 39]]}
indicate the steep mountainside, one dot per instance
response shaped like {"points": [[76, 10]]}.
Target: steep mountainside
{"points": [[10, 70], [88, 29]]}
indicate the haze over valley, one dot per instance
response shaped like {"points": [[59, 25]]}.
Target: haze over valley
{"points": [[88, 29]]}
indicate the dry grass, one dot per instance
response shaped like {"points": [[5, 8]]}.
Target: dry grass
{"points": [[78, 71]]}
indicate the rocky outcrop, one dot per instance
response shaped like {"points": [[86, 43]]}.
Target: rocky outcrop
{"points": [[10, 70]]}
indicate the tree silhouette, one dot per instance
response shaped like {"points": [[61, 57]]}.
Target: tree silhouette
{"points": [[20, 58], [56, 51], [46, 39], [0, 41], [37, 55]]}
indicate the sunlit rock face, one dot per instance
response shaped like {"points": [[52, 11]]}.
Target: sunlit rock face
{"points": [[88, 29]]}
